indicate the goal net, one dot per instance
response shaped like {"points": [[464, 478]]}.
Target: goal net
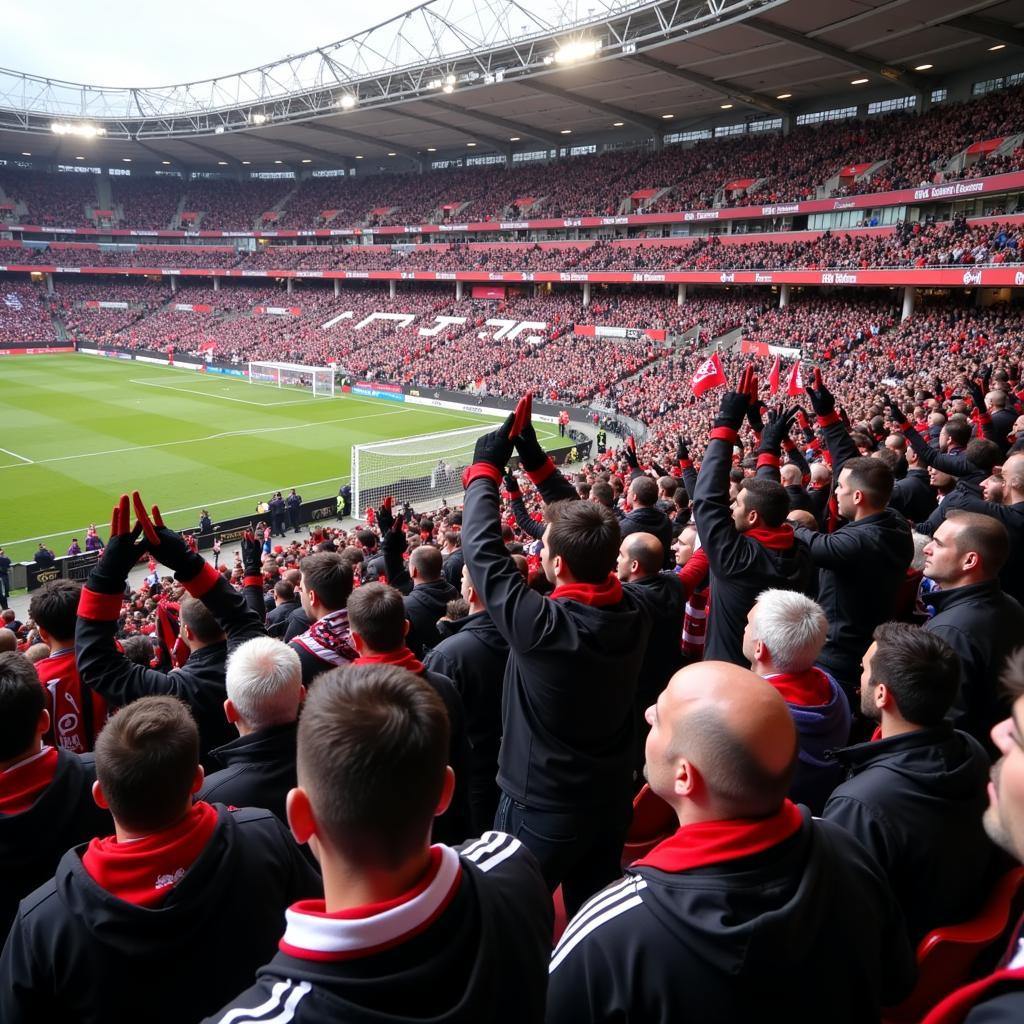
{"points": [[425, 470], [317, 380]]}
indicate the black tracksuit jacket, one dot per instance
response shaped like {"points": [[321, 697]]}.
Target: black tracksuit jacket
{"points": [[913, 496], [423, 607], [804, 932], [650, 520], [741, 568], [915, 801], [570, 682], [78, 953]]}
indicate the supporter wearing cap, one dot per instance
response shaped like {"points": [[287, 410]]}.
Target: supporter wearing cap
{"points": [[407, 931], [752, 903], [180, 891]]}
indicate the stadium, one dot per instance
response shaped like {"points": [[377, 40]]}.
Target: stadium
{"points": [[482, 354]]}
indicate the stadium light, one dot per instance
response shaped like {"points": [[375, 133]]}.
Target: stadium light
{"points": [[448, 87], [219, 130], [565, 131], [359, 156], [577, 50], [513, 138], [727, 106], [166, 163], [998, 46], [784, 96], [259, 118], [126, 159], [222, 163], [79, 157], [26, 154], [859, 81], [471, 144], [246, 162], [668, 117], [618, 124], [392, 154], [431, 149], [85, 131], [450, 80], [924, 67], [347, 102], [278, 161], [307, 160]]}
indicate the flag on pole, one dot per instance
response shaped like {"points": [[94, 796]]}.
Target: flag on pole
{"points": [[708, 375], [773, 377], [795, 387]]}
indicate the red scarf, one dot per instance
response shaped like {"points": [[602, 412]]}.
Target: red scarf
{"points": [[805, 689], [22, 783], [712, 842], [777, 538], [143, 872], [598, 595], [402, 658]]}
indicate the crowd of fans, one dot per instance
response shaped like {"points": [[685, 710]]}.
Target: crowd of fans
{"points": [[903, 150], [24, 315]]}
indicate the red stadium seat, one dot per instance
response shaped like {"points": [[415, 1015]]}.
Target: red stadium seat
{"points": [[946, 956]]}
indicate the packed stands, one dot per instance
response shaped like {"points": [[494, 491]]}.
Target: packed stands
{"points": [[24, 314]]}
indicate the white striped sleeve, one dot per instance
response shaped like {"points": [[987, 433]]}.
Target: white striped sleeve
{"points": [[279, 1008], [491, 849], [607, 905]]}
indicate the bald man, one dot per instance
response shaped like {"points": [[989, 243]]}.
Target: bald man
{"points": [[663, 598], [752, 903], [429, 599]]}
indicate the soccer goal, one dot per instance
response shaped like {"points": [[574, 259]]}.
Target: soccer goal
{"points": [[424, 470], [317, 380]]}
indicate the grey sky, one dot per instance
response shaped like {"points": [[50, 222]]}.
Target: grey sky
{"points": [[145, 43]]}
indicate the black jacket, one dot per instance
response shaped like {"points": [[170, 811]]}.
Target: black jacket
{"points": [[277, 618], [78, 953], [807, 930], [33, 841], [650, 520], [259, 770], [861, 568], [452, 568], [983, 625], [423, 607], [474, 658], [567, 705], [913, 496], [199, 682], [915, 801], [298, 623], [663, 602], [799, 498], [741, 567], [483, 957]]}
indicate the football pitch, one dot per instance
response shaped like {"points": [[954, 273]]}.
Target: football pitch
{"points": [[77, 431]]}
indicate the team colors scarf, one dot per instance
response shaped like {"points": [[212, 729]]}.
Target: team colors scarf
{"points": [[143, 872], [314, 934], [22, 783], [806, 689], [330, 639], [402, 658], [599, 595], [778, 538], [713, 842]]}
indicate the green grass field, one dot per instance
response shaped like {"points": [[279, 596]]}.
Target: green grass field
{"points": [[77, 431]]}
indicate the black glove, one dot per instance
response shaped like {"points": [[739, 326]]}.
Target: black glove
{"points": [[629, 452], [754, 416], [121, 554], [898, 416], [658, 469], [977, 395], [165, 545], [822, 401], [804, 424], [531, 455], [252, 554], [495, 448], [682, 450], [385, 517], [731, 410], [776, 430], [512, 487]]}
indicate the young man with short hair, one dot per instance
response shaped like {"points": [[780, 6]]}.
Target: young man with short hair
{"points": [[407, 931], [325, 588], [168, 916]]}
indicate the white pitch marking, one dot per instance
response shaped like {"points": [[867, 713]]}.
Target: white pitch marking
{"points": [[15, 455], [222, 398]]}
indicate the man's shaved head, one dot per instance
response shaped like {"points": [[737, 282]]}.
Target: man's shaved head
{"points": [[643, 548], [722, 744]]}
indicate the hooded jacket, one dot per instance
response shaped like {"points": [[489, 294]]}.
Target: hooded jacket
{"points": [[471, 945], [423, 607], [33, 840], [915, 801], [650, 520], [806, 928], [77, 952], [741, 566], [259, 770], [822, 726], [983, 625]]}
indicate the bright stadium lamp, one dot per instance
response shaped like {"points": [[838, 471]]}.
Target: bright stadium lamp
{"points": [[85, 131], [347, 102], [577, 50], [259, 118], [448, 87]]}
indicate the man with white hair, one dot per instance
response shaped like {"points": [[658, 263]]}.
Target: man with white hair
{"points": [[265, 692], [785, 634]]}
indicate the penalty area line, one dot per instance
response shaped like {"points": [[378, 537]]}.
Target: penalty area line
{"points": [[15, 455]]}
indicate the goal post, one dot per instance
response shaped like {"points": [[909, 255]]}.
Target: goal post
{"points": [[424, 470], [317, 380]]}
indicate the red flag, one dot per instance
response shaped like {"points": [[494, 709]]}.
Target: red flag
{"points": [[795, 387], [773, 377], [707, 376]]}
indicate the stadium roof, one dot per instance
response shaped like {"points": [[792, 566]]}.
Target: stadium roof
{"points": [[431, 80]]}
